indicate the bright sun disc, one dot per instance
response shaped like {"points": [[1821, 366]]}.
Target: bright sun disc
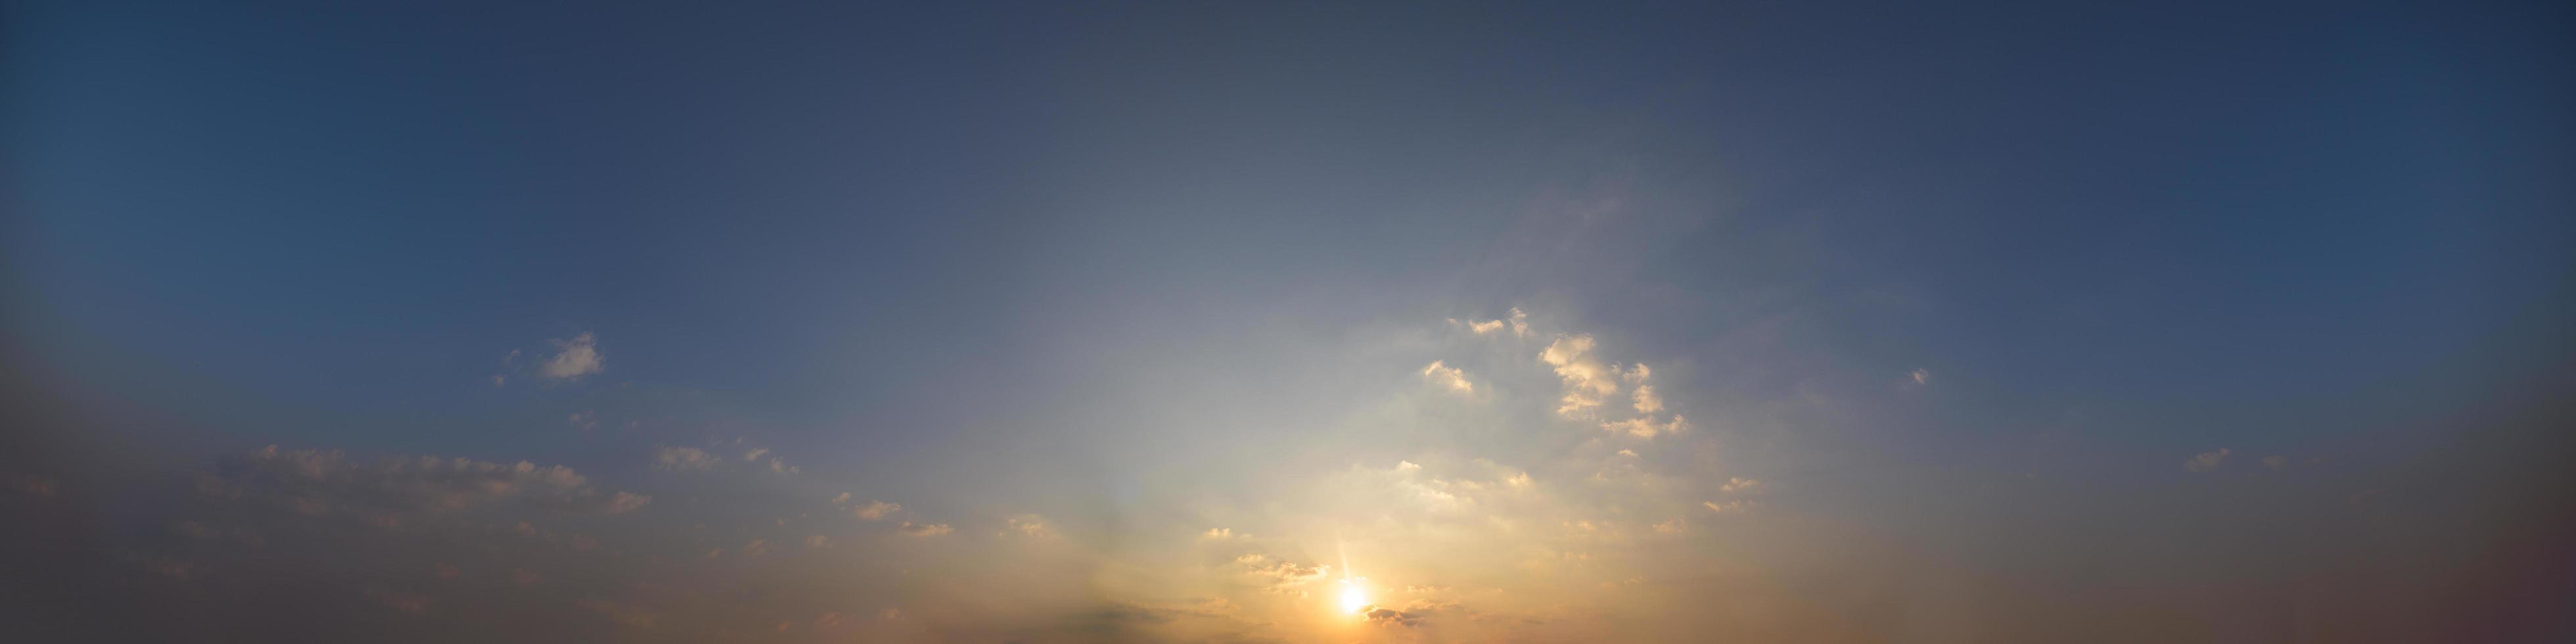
{"points": [[1354, 597]]}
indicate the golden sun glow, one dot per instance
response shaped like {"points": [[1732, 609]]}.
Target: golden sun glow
{"points": [[1354, 596]]}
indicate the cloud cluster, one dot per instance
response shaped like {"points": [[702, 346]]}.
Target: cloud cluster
{"points": [[1448, 377]]}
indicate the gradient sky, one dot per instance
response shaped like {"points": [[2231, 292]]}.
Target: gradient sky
{"points": [[1725, 322]]}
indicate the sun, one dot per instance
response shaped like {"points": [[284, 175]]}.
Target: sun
{"points": [[1354, 595]]}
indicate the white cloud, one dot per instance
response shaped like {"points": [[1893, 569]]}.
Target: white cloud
{"points": [[1217, 534], [579, 356], [1587, 380], [755, 453], [1647, 427], [683, 458], [782, 467], [1671, 526], [843, 499], [1407, 466], [1920, 376], [1440, 373], [1518, 323], [2205, 461], [1647, 401], [924, 530], [1738, 484], [876, 510]]}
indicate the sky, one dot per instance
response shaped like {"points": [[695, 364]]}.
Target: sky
{"points": [[1316, 322]]}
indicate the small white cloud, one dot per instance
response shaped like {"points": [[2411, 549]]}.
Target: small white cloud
{"points": [[1738, 484], [1672, 526], [843, 499], [1407, 466], [2205, 461], [924, 530], [583, 420], [1518, 323], [1453, 378], [579, 356], [1920, 376], [1217, 534], [1646, 400], [755, 453], [1647, 427], [1729, 506], [876, 510], [683, 458], [782, 467]]}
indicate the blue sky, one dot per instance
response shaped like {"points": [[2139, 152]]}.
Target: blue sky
{"points": [[1991, 322]]}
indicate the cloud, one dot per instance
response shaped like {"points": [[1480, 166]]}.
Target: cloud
{"points": [[1647, 427], [876, 510], [2205, 461], [1729, 506], [843, 499], [1587, 380], [327, 482], [1281, 575], [579, 356], [2275, 461], [1217, 534], [1389, 617], [683, 458], [1518, 322], [1739, 484], [1670, 526], [924, 529], [1407, 466], [780, 466], [755, 453], [817, 541], [583, 420], [1029, 525], [626, 502], [1920, 376], [1453, 378]]}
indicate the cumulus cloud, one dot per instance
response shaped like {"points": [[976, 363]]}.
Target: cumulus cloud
{"points": [[779, 466], [2205, 461], [924, 529], [1647, 427], [574, 358], [876, 510], [1452, 378], [1383, 616], [755, 453], [1587, 380], [1518, 322], [1215, 534], [683, 458]]}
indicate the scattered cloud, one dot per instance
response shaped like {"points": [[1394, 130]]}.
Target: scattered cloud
{"points": [[1217, 534], [2206, 461], [1028, 525], [626, 502], [1740, 484], [319, 482], [755, 453], [1647, 427], [574, 358], [843, 499], [1920, 376], [683, 458], [924, 529], [1587, 380], [1517, 322], [875, 510], [1452, 378]]}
